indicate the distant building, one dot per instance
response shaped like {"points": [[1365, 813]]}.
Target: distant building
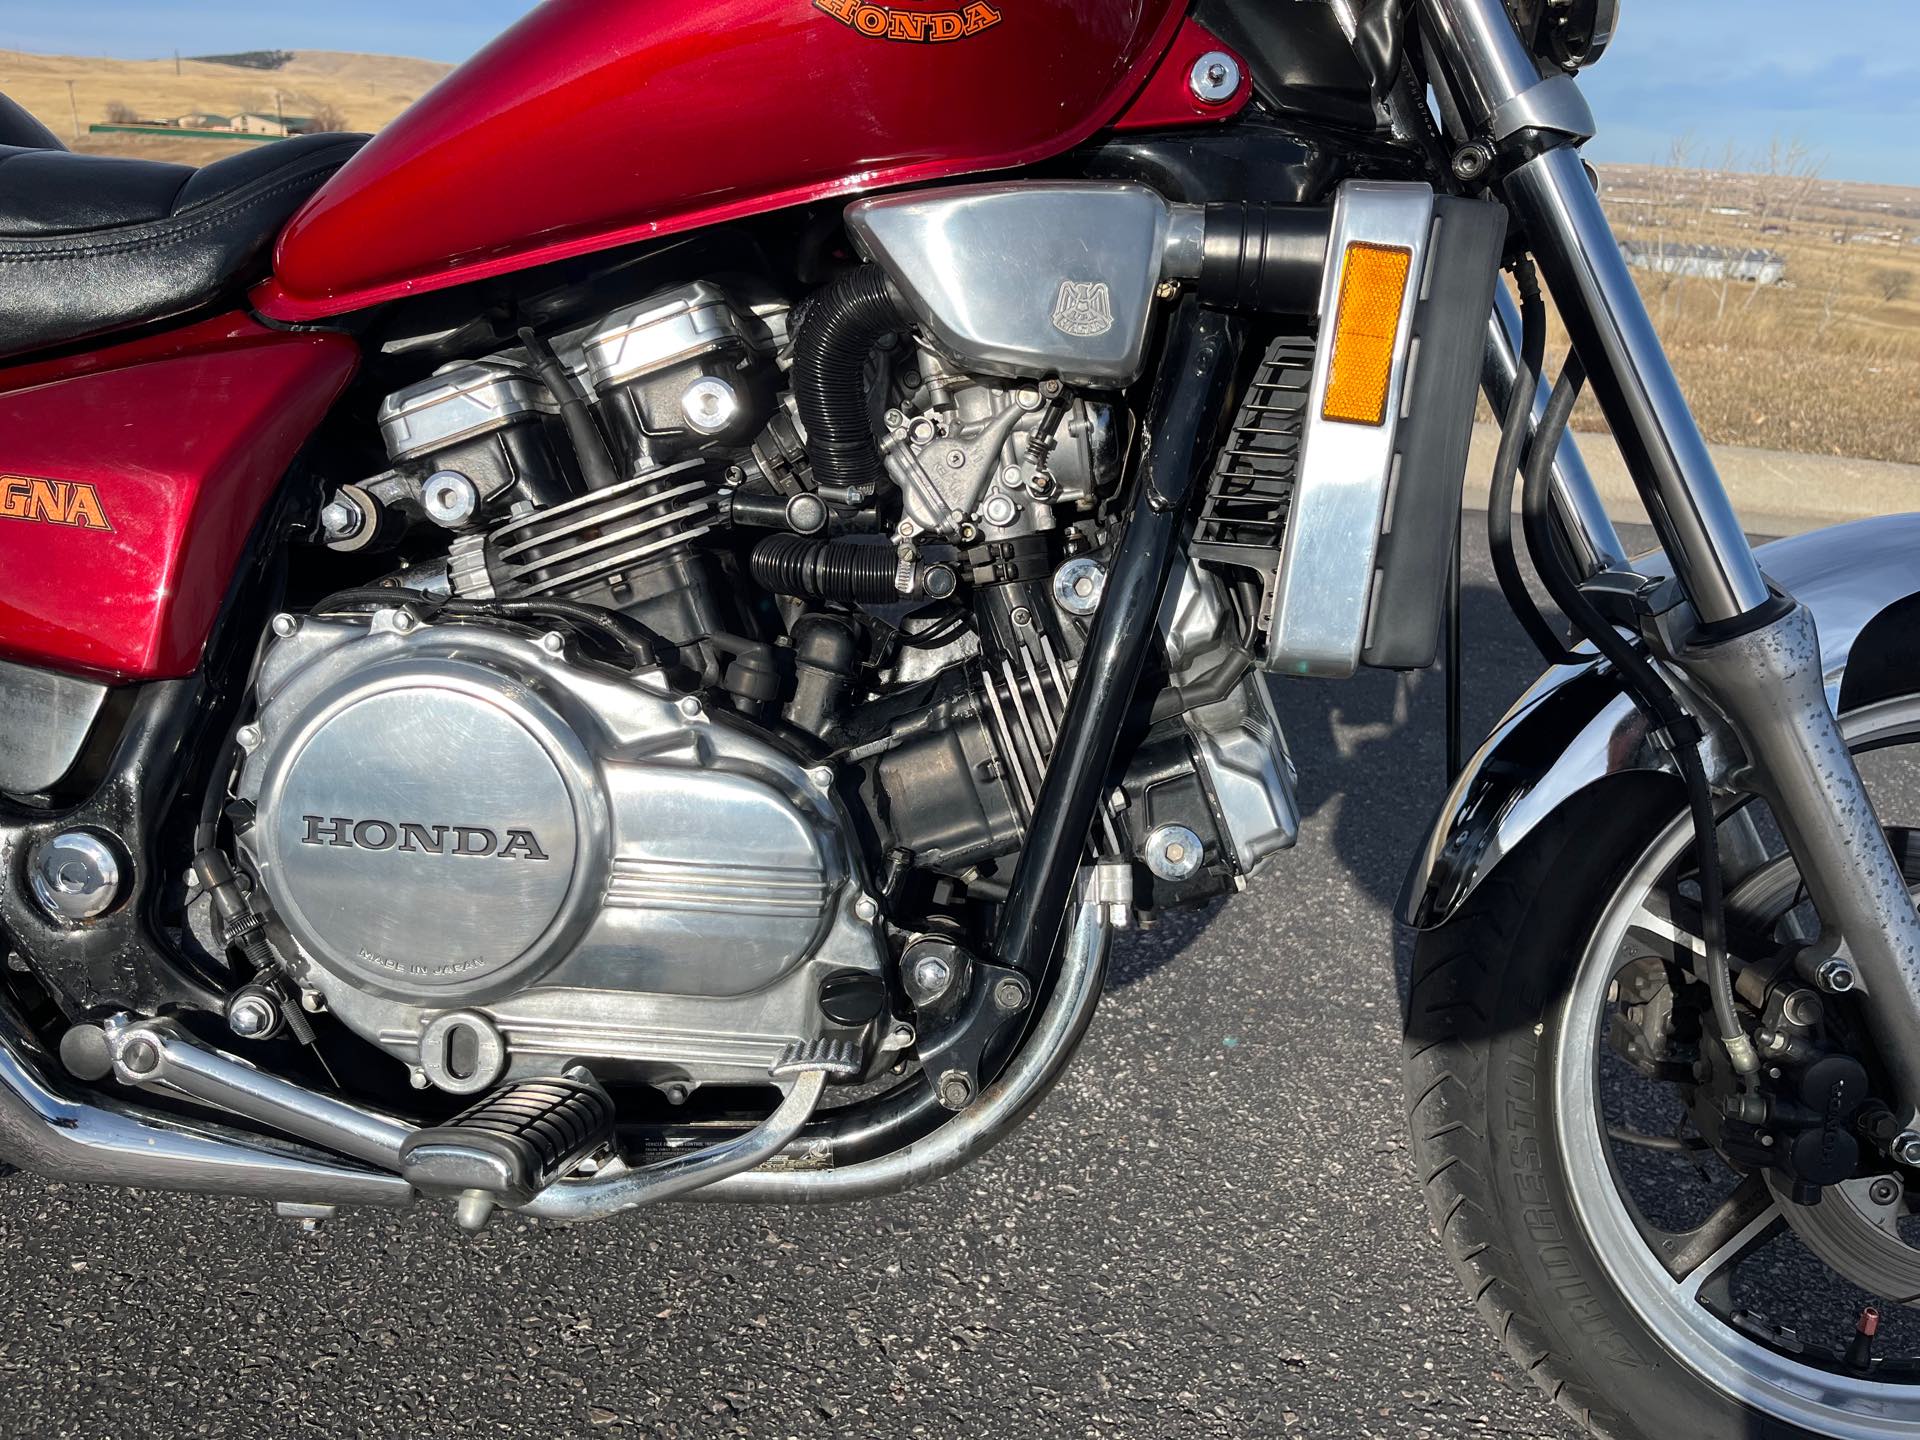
{"points": [[1707, 262], [196, 120], [252, 123]]}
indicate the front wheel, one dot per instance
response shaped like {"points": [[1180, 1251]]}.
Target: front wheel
{"points": [[1568, 1131]]}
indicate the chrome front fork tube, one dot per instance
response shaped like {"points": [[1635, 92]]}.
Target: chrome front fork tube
{"points": [[1754, 657]]}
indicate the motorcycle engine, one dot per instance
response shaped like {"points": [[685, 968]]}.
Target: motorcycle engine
{"points": [[496, 858], [659, 753]]}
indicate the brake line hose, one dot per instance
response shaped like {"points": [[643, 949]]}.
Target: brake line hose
{"points": [[1654, 695], [1506, 462]]}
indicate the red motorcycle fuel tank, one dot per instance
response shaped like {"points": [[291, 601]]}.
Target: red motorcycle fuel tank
{"points": [[595, 123]]}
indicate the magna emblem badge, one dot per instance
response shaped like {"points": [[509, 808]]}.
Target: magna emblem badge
{"points": [[900, 22], [52, 502], [1085, 307]]}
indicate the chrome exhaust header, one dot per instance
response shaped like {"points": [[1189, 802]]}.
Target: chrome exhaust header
{"points": [[103, 1142], [97, 1141]]}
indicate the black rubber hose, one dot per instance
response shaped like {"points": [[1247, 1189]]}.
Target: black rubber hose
{"points": [[1506, 463], [842, 324], [589, 445], [826, 569], [1654, 695]]}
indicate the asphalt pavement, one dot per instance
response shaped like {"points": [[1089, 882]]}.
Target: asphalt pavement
{"points": [[1209, 1229]]}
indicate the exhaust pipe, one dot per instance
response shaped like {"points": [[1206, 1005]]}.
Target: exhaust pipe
{"points": [[104, 1143]]}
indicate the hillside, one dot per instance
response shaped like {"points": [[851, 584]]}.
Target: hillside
{"points": [[367, 91]]}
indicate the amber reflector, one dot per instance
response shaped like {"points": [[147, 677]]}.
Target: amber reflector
{"points": [[1373, 282]]}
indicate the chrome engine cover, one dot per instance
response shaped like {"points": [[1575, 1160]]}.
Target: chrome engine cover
{"points": [[493, 860]]}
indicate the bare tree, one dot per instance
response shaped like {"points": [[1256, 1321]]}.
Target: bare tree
{"points": [[328, 116], [1891, 283], [121, 113]]}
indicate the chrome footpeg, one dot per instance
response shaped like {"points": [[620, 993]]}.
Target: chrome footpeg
{"points": [[510, 1146]]}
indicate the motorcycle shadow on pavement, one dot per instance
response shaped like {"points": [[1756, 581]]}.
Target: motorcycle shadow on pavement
{"points": [[1370, 753]]}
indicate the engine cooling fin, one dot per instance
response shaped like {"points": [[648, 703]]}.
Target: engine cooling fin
{"points": [[584, 543]]}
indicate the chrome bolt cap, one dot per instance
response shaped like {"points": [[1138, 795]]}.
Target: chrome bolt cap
{"points": [[76, 876], [1173, 852], [449, 498], [710, 405], [1215, 78], [1079, 584]]}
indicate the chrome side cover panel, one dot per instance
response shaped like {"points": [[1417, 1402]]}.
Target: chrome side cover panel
{"points": [[45, 718], [475, 841], [1025, 278], [1845, 576], [1340, 491]]}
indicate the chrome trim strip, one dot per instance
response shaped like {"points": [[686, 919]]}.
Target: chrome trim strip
{"points": [[1340, 489]]}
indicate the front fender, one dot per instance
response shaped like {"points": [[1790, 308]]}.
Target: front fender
{"points": [[1574, 728]]}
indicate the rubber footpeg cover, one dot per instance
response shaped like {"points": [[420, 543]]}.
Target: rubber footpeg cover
{"points": [[515, 1142]]}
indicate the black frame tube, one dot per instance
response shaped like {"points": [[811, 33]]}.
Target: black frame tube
{"points": [[1191, 401]]}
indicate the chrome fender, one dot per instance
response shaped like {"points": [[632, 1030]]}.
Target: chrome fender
{"points": [[1573, 728]]}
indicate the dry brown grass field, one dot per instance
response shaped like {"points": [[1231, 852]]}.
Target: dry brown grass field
{"points": [[364, 91], [1827, 361]]}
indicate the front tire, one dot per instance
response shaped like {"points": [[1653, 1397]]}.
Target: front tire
{"points": [[1482, 1029]]}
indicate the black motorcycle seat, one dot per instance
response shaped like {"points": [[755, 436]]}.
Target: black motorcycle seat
{"points": [[90, 244]]}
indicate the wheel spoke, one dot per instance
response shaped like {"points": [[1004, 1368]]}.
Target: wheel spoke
{"points": [[1745, 1220], [1655, 926]]}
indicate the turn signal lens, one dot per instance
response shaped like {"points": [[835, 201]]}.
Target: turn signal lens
{"points": [[1373, 283]]}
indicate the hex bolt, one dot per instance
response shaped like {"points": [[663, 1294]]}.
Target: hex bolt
{"points": [[956, 1090], [553, 642], [821, 776], [865, 908], [249, 737], [403, 620], [286, 626], [449, 498], [1009, 994], [1835, 976], [1905, 1149], [689, 707], [340, 520], [417, 1077], [1884, 1191], [1215, 78], [142, 1057], [250, 1016]]}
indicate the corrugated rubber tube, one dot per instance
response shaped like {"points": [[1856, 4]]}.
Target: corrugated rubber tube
{"points": [[842, 324], [826, 569]]}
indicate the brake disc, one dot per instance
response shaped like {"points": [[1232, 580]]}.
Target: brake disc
{"points": [[1856, 1230]]}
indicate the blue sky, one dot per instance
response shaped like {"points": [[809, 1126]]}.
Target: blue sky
{"points": [[1843, 76]]}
